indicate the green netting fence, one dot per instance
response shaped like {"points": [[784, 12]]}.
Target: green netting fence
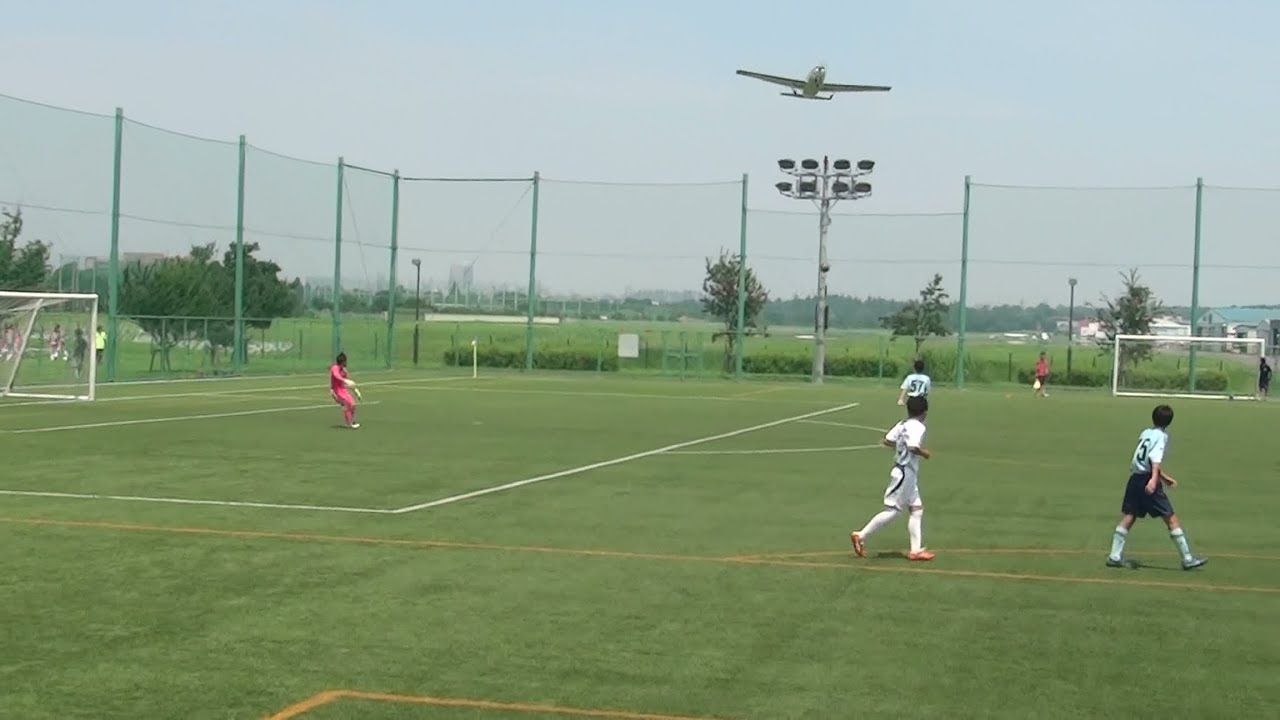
{"points": [[219, 257]]}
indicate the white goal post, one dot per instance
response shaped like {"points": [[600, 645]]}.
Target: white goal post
{"points": [[1226, 368], [47, 345]]}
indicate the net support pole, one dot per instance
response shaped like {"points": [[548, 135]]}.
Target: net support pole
{"points": [[392, 286], [337, 261], [533, 275], [1195, 285], [964, 287], [740, 334], [113, 258], [237, 350]]}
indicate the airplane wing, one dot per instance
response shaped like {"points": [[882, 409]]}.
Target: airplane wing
{"points": [[836, 87], [789, 82]]}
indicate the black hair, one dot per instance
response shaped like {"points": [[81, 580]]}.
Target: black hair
{"points": [[919, 366], [341, 359], [917, 406], [1162, 416]]}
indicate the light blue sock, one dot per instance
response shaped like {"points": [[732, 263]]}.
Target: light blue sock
{"points": [[1117, 543], [1180, 540]]}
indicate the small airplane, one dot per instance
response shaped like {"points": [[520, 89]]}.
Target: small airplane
{"points": [[814, 83]]}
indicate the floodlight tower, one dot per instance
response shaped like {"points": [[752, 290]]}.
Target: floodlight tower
{"points": [[824, 184]]}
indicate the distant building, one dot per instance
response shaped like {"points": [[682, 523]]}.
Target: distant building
{"points": [[461, 277], [1170, 327], [126, 259], [1240, 322]]}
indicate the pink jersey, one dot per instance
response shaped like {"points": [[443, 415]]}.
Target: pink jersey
{"points": [[337, 378]]}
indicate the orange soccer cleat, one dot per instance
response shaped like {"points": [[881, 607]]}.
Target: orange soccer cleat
{"points": [[920, 555], [858, 549]]}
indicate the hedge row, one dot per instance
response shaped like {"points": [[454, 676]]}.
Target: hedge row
{"points": [[982, 370], [550, 359], [940, 366]]}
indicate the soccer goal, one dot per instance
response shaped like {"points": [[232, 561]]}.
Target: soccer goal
{"points": [[1161, 366], [47, 345]]}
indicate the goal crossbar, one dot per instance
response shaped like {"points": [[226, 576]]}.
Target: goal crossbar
{"points": [[1257, 348]]}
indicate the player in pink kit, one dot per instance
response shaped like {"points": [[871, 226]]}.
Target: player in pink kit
{"points": [[340, 386]]}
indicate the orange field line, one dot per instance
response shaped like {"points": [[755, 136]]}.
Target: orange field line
{"points": [[306, 706], [329, 696], [742, 560], [985, 551]]}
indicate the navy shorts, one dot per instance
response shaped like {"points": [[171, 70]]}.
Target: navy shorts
{"points": [[1139, 504]]}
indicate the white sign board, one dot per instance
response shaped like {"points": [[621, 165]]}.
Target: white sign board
{"points": [[628, 345]]}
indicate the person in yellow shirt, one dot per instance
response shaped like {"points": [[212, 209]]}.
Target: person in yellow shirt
{"points": [[100, 343]]}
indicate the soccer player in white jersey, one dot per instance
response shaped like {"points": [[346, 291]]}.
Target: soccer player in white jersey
{"points": [[1144, 495], [907, 440], [916, 384]]}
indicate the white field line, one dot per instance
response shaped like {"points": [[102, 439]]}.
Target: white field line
{"points": [[617, 461], [176, 418], [774, 451], [244, 391], [832, 423], [616, 394], [187, 501]]}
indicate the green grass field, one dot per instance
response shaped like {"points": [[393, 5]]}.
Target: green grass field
{"points": [[548, 546]]}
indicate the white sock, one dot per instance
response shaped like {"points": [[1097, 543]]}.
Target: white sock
{"points": [[1180, 542], [1117, 543], [913, 528], [884, 517]]}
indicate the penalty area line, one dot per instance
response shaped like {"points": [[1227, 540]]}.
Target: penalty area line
{"points": [[774, 451], [618, 461], [189, 501], [831, 423], [175, 418]]}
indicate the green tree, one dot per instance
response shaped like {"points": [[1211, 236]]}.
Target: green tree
{"points": [[192, 299], [720, 299], [175, 299], [1129, 314], [922, 318], [266, 295], [22, 267]]}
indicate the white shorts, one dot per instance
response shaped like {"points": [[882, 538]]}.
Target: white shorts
{"points": [[903, 491]]}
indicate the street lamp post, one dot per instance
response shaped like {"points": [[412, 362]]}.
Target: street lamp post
{"points": [[1071, 325], [417, 304], [824, 184]]}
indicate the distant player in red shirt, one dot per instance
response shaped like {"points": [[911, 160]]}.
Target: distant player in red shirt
{"points": [[1042, 376], [341, 386]]}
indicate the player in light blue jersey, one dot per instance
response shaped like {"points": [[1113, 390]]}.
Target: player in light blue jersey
{"points": [[1144, 495], [916, 384]]}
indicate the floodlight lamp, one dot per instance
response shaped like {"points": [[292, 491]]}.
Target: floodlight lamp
{"points": [[809, 164], [787, 164], [866, 165], [841, 165], [808, 187], [784, 188], [840, 187], [1071, 282], [416, 262], [862, 188]]}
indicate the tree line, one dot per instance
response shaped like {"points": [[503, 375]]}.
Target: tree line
{"points": [[931, 314]]}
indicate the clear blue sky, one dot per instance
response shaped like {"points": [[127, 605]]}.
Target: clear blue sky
{"points": [[1132, 92]]}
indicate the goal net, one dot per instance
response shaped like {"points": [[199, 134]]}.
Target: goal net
{"points": [[47, 345], [1224, 368]]}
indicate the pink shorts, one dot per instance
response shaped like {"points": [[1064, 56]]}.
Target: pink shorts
{"points": [[343, 397]]}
